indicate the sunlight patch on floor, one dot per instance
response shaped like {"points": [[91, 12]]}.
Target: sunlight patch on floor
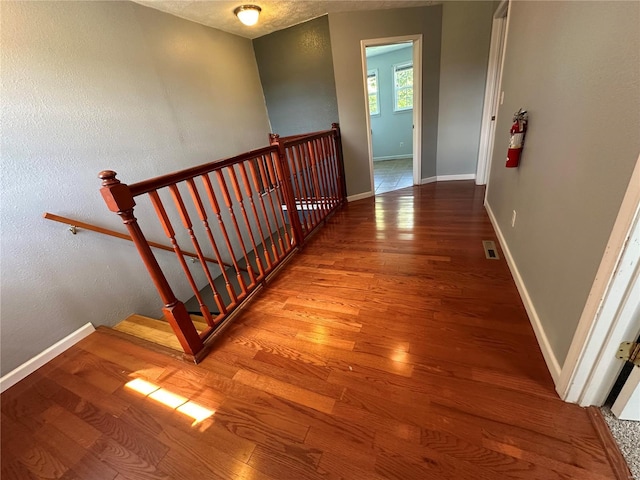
{"points": [[171, 400]]}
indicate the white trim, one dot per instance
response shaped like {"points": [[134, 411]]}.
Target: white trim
{"points": [[549, 357], [462, 176], [491, 94], [417, 100], [359, 196], [503, 9], [391, 157], [30, 366], [417, 111], [424, 181], [591, 367]]}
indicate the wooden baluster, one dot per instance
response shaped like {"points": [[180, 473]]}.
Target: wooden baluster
{"points": [[333, 159], [281, 200], [285, 180], [186, 221], [336, 169], [314, 189], [170, 233], [322, 175], [118, 198], [264, 184], [229, 203], [272, 190], [202, 213], [240, 199], [307, 185], [298, 182], [342, 180], [249, 191], [216, 209], [297, 188], [326, 167], [317, 186], [329, 169]]}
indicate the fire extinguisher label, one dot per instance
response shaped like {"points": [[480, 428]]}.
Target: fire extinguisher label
{"points": [[516, 140]]}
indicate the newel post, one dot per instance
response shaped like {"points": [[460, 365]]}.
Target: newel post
{"points": [[289, 197], [119, 199], [343, 178]]}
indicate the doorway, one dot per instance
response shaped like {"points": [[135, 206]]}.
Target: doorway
{"points": [[392, 74]]}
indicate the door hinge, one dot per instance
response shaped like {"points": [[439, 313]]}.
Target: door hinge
{"points": [[630, 352]]}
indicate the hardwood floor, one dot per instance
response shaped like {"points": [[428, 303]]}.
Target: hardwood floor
{"points": [[388, 348]]}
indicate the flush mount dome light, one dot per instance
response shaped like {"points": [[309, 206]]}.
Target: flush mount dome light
{"points": [[248, 14]]}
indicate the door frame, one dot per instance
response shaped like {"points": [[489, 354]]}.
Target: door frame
{"points": [[417, 100], [492, 91], [591, 367]]}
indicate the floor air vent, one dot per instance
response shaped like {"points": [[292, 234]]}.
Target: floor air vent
{"points": [[490, 250]]}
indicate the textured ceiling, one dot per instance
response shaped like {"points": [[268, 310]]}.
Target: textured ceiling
{"points": [[276, 14]]}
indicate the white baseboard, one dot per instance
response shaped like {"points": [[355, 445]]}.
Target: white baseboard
{"points": [[549, 357], [392, 157], [39, 360], [462, 176], [359, 196], [424, 181]]}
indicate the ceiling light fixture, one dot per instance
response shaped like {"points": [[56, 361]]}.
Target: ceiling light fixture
{"points": [[248, 14]]}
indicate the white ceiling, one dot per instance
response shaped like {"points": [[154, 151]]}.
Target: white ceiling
{"points": [[276, 14]]}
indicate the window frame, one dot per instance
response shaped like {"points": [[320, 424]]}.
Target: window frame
{"points": [[398, 67], [373, 71]]}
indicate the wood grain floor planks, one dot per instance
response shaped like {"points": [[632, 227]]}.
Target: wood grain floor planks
{"points": [[388, 348]]}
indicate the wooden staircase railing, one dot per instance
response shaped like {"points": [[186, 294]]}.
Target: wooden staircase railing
{"points": [[316, 176], [249, 213], [112, 233]]}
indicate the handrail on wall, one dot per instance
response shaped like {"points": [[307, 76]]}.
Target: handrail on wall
{"points": [[112, 233]]}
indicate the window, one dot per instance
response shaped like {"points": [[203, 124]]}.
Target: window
{"points": [[372, 89], [403, 87]]}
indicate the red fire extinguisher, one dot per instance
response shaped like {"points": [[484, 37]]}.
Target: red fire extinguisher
{"points": [[516, 142]]}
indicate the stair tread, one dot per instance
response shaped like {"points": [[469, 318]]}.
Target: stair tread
{"points": [[155, 330], [150, 333], [160, 324]]}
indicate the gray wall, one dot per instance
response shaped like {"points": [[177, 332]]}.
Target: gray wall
{"points": [[296, 71], [92, 85], [466, 35], [574, 66], [347, 30], [390, 129]]}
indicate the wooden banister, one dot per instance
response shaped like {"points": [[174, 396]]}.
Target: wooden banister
{"points": [[266, 202], [156, 183], [123, 236], [119, 199]]}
